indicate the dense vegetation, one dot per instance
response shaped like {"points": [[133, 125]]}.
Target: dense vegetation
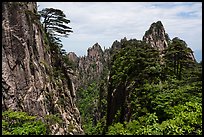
{"points": [[20, 123], [147, 94]]}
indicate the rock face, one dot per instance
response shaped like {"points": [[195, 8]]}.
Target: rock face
{"points": [[89, 68], [156, 36], [73, 57], [27, 83]]}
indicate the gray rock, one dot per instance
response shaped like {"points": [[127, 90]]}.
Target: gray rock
{"points": [[26, 84], [156, 36], [90, 67]]}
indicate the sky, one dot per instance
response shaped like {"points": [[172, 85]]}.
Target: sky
{"points": [[105, 22]]}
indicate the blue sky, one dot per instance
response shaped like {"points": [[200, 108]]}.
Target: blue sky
{"points": [[105, 22]]}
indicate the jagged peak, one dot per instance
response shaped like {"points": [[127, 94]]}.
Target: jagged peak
{"points": [[155, 26], [72, 53], [73, 57], [95, 50], [96, 46], [156, 36], [158, 23]]}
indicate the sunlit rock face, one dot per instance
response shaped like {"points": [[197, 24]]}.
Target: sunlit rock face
{"points": [[156, 36], [73, 57], [89, 68], [27, 83]]}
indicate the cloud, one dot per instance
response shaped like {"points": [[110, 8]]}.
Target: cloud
{"points": [[105, 22]]}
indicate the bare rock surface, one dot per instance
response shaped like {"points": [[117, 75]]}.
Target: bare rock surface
{"points": [[27, 84]]}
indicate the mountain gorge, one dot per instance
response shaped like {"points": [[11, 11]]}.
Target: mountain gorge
{"points": [[151, 86]]}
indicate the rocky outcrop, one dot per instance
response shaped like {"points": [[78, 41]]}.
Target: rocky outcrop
{"points": [[156, 36], [73, 57], [89, 68], [27, 75], [159, 39], [95, 52]]}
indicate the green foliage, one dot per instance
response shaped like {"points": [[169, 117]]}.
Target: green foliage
{"points": [[178, 58], [87, 103], [174, 110], [53, 119], [70, 127], [91, 104], [117, 129], [34, 17], [93, 65], [44, 63], [135, 64], [159, 99], [99, 128], [20, 123], [187, 121], [55, 22]]}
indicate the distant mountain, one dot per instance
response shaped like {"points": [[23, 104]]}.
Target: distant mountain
{"points": [[88, 68]]}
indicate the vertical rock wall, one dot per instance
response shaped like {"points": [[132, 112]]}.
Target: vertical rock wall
{"points": [[27, 81]]}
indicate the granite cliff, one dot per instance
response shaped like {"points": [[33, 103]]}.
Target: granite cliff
{"points": [[157, 37], [89, 68], [27, 74]]}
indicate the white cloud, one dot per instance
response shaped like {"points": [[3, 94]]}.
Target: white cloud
{"points": [[104, 22]]}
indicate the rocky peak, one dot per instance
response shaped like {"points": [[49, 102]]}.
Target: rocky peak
{"points": [[95, 51], [90, 67], [116, 45], [156, 36], [73, 57]]}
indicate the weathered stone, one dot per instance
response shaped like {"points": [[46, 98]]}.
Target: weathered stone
{"points": [[73, 57], [89, 68], [156, 36], [26, 84]]}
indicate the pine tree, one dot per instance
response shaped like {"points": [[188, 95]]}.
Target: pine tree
{"points": [[55, 22], [132, 66], [177, 57]]}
